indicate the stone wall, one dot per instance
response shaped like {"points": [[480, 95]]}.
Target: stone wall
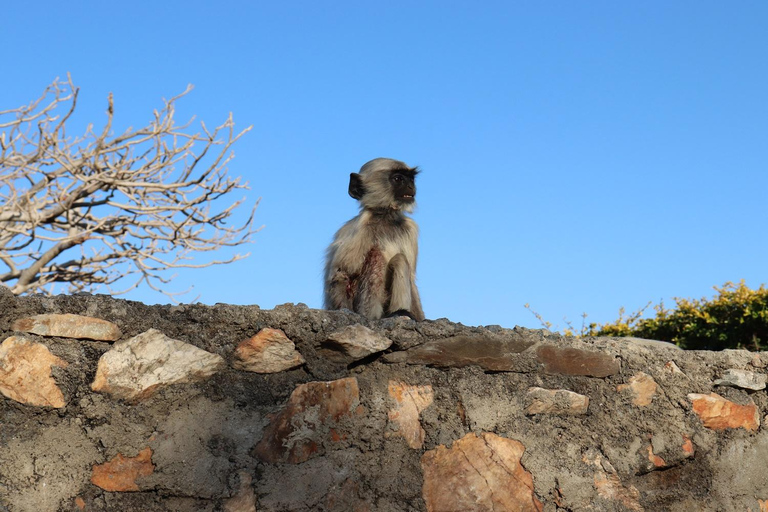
{"points": [[114, 405]]}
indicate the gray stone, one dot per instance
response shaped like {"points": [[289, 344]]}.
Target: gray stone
{"points": [[134, 369], [357, 341], [742, 379]]}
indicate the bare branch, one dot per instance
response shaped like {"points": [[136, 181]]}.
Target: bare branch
{"points": [[137, 205]]}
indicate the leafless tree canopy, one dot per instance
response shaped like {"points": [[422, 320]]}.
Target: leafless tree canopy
{"points": [[96, 209]]}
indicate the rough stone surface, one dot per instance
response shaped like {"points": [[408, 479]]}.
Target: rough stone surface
{"points": [[120, 473], [555, 401], [642, 387], [314, 409], [357, 341], [409, 402], [619, 456], [573, 361], [269, 351], [718, 413], [43, 465], [478, 474], [742, 379], [69, 326], [25, 373], [134, 369]]}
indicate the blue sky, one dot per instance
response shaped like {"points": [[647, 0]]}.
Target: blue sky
{"points": [[577, 156]]}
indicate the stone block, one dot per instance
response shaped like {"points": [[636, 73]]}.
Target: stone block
{"points": [[490, 353], [296, 433], [69, 326], [25, 373], [742, 379], [136, 368], [409, 402], [356, 342], [120, 473], [478, 473], [555, 401], [574, 361], [717, 413], [269, 351], [641, 387]]}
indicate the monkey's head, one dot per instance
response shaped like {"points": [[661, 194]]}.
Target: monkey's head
{"points": [[384, 183]]}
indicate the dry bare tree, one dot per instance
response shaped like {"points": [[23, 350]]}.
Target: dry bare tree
{"points": [[99, 208]]}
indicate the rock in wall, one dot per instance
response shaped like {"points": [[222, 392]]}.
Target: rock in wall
{"points": [[114, 405]]}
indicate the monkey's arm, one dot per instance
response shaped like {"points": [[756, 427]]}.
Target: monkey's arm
{"points": [[401, 288], [340, 275], [339, 290], [370, 294], [416, 311]]}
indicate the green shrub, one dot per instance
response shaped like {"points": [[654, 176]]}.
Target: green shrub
{"points": [[737, 317]]}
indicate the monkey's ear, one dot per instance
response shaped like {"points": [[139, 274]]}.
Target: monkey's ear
{"points": [[356, 188]]}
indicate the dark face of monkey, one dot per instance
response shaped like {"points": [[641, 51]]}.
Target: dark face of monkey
{"points": [[403, 185]]}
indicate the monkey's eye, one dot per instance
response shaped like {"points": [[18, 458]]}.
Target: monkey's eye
{"points": [[397, 178]]}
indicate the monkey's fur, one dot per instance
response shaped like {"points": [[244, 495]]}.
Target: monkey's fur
{"points": [[370, 266]]}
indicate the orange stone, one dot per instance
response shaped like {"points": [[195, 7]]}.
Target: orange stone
{"points": [[269, 351], [80, 503], [409, 402], [478, 474], [642, 387], [718, 413], [688, 448], [655, 459], [25, 373], [120, 473], [69, 326]]}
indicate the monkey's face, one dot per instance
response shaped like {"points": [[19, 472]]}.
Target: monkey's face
{"points": [[385, 184], [403, 183]]}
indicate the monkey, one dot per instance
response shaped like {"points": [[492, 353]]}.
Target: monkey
{"points": [[370, 266]]}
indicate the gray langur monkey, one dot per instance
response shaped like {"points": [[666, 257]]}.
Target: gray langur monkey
{"points": [[370, 266]]}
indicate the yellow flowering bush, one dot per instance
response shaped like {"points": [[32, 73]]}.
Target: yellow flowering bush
{"points": [[737, 317]]}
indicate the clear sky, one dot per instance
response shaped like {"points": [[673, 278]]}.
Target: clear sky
{"points": [[577, 156]]}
